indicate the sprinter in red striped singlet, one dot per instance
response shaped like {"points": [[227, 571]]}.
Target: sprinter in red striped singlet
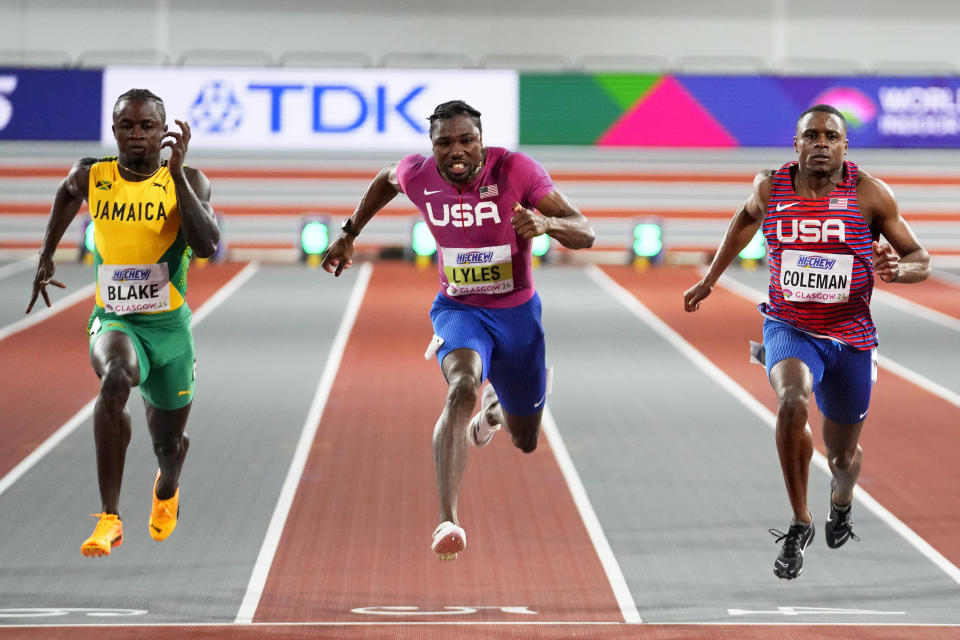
{"points": [[478, 203], [822, 219]]}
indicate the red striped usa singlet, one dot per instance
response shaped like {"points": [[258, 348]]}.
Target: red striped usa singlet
{"points": [[809, 241]]}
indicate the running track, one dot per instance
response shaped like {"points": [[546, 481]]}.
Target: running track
{"points": [[309, 497]]}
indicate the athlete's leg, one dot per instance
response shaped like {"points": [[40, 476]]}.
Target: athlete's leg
{"points": [[114, 360], [170, 444], [793, 383], [463, 370], [845, 457], [524, 430]]}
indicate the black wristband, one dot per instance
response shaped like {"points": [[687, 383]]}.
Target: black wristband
{"points": [[348, 229]]}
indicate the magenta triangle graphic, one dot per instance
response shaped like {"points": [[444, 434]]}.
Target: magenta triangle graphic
{"points": [[667, 116]]}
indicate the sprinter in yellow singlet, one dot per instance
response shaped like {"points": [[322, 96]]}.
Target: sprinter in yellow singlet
{"points": [[149, 216]]}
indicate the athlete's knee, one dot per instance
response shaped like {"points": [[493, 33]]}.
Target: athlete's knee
{"points": [[525, 437], [526, 443], [845, 459], [792, 410], [462, 391], [115, 383], [167, 446]]}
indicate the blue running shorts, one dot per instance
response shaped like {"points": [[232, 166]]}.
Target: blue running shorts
{"points": [[510, 343], [842, 375]]}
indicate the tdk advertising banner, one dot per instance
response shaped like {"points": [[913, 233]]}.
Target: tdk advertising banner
{"points": [[339, 109]]}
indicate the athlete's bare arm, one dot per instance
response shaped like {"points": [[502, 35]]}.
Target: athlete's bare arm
{"points": [[903, 259], [71, 193], [561, 220], [743, 227], [379, 193], [197, 221]]}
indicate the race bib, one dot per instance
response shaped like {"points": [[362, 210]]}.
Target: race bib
{"points": [[815, 277], [485, 270], [134, 288]]}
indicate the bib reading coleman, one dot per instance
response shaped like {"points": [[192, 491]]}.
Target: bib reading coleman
{"points": [[821, 261], [482, 261]]}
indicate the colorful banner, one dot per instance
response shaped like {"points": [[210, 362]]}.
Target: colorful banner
{"points": [[47, 104], [330, 109], [643, 110]]}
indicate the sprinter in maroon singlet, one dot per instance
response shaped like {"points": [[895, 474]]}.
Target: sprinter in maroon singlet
{"points": [[822, 219], [483, 206]]}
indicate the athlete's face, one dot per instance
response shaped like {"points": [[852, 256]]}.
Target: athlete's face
{"points": [[821, 143], [458, 148], [139, 130]]}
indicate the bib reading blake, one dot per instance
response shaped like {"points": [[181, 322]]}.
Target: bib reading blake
{"points": [[134, 288], [813, 277], [140, 255]]}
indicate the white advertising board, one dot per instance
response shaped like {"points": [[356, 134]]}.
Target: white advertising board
{"points": [[323, 109]]}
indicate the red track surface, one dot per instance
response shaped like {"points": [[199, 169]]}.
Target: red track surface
{"points": [[53, 378], [938, 295]]}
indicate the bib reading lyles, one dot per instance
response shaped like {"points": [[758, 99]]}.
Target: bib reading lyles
{"points": [[815, 277], [485, 270], [134, 288]]}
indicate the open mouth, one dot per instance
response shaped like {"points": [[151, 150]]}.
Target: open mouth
{"points": [[457, 168]]}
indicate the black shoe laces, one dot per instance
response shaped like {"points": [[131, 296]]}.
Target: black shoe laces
{"points": [[791, 545], [842, 520]]}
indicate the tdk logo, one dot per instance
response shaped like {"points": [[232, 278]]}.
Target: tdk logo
{"points": [[475, 257], [352, 106], [812, 231], [122, 275], [816, 262], [216, 108], [463, 215]]}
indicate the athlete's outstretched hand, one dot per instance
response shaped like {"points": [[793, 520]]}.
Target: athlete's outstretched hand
{"points": [[695, 295], [44, 277], [526, 223], [886, 262], [338, 255]]}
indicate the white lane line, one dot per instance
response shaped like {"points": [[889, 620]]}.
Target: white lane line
{"points": [[18, 266], [81, 416], [44, 313], [908, 374], [907, 627], [761, 411], [917, 310], [628, 608], [258, 579]]}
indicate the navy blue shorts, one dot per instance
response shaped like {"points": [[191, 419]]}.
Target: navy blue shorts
{"points": [[842, 375], [510, 344]]}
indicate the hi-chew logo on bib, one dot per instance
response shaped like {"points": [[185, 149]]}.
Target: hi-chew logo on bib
{"points": [[814, 277], [484, 270], [137, 288]]}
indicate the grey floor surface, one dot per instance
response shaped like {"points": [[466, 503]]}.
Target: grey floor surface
{"points": [[683, 478]]}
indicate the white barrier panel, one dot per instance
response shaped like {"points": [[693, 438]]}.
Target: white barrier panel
{"points": [[338, 109]]}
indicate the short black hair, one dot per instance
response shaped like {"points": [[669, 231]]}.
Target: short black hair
{"points": [[824, 108], [142, 94], [453, 108]]}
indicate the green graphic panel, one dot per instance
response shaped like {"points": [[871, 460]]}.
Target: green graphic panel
{"points": [[576, 108], [627, 88], [564, 109]]}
